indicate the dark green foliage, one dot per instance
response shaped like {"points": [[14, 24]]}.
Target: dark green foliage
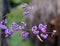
{"points": [[20, 1]]}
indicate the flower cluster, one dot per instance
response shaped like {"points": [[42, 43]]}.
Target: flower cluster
{"points": [[28, 9], [44, 36], [39, 30], [34, 28], [2, 26], [42, 28], [10, 31], [24, 34]]}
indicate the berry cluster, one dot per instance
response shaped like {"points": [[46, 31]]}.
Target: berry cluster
{"points": [[28, 9], [9, 31], [42, 28], [37, 30]]}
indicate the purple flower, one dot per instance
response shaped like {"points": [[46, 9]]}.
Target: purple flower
{"points": [[6, 31], [1, 22], [24, 5], [34, 28], [26, 13], [22, 27], [44, 36], [9, 31], [35, 32], [14, 24], [42, 27], [24, 34], [19, 27], [3, 26]]}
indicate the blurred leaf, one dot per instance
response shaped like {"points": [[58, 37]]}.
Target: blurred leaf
{"points": [[20, 1], [16, 1], [15, 15], [26, 1]]}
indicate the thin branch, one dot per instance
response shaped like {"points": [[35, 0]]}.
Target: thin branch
{"points": [[39, 38]]}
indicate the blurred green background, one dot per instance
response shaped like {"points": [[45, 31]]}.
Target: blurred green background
{"points": [[16, 15], [20, 1]]}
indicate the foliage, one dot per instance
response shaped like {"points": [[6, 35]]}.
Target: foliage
{"points": [[20, 1]]}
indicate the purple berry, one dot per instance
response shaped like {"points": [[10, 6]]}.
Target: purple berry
{"points": [[34, 28], [19, 27], [9, 31], [26, 13], [35, 32], [24, 34], [3, 26], [44, 36], [42, 27], [6, 31], [14, 24], [24, 5]]}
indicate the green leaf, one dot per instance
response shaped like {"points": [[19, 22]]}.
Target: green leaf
{"points": [[26, 1], [20, 1], [16, 1]]}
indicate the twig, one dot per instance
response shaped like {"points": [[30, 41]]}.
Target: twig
{"points": [[54, 31], [39, 38]]}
